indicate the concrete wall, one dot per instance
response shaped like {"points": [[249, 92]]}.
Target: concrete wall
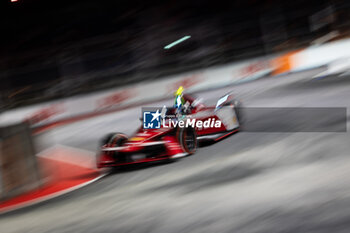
{"points": [[130, 95], [18, 165]]}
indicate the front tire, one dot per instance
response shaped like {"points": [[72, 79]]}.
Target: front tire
{"points": [[114, 140]]}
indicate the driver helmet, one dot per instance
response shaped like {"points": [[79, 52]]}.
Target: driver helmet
{"points": [[179, 100]]}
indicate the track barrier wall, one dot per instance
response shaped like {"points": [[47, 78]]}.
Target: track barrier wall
{"points": [[18, 164], [49, 112], [333, 55]]}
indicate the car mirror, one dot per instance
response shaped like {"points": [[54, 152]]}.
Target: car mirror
{"points": [[221, 101]]}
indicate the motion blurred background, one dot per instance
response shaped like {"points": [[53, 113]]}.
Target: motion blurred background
{"points": [[73, 71], [54, 49]]}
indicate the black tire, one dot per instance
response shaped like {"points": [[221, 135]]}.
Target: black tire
{"points": [[187, 138], [115, 139]]}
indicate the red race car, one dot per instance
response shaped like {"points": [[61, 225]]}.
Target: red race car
{"points": [[175, 135]]}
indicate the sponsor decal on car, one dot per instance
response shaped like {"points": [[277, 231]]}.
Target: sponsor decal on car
{"points": [[136, 139]]}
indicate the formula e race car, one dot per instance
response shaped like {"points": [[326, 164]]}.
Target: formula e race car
{"points": [[176, 135]]}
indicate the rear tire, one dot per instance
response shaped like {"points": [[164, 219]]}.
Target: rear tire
{"points": [[187, 138]]}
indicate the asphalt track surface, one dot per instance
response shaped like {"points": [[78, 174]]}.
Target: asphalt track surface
{"points": [[249, 182]]}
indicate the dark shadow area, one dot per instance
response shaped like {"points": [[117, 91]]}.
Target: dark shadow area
{"points": [[139, 166]]}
